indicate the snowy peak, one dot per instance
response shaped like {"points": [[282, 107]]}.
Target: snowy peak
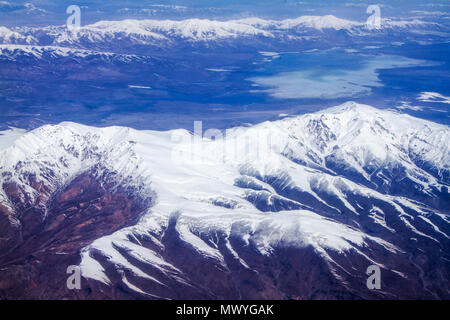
{"points": [[350, 106], [53, 155], [378, 148], [203, 30], [102, 31], [319, 23], [355, 112], [8, 36]]}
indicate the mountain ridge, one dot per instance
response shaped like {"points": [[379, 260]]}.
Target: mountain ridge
{"points": [[148, 31], [214, 213]]}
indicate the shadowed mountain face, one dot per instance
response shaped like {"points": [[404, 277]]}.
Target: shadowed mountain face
{"points": [[292, 209], [51, 233]]}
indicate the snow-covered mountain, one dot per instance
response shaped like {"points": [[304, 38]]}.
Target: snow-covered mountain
{"points": [[296, 208], [11, 37], [146, 32], [13, 52], [170, 32]]}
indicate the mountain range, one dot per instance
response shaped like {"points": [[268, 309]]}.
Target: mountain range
{"points": [[296, 208], [169, 32]]}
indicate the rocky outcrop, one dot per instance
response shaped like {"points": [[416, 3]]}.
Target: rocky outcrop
{"points": [[47, 236]]}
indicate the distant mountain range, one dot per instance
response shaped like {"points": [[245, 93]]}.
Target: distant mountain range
{"points": [[13, 52], [168, 32], [291, 209]]}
